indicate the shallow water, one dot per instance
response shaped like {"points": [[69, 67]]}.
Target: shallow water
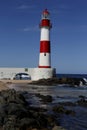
{"points": [[61, 90], [60, 94]]}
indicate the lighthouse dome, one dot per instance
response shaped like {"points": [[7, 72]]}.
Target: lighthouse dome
{"points": [[45, 12]]}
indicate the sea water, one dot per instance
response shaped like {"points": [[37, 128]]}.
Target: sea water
{"points": [[72, 75]]}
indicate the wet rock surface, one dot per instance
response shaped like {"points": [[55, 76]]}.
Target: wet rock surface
{"points": [[17, 114], [44, 98], [82, 101], [60, 109]]}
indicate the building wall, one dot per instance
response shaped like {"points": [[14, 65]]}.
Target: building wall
{"points": [[43, 73], [35, 73], [9, 73]]}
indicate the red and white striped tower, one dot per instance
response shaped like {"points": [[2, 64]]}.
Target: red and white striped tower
{"points": [[45, 26]]}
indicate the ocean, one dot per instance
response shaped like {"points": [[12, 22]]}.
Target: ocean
{"points": [[72, 75]]}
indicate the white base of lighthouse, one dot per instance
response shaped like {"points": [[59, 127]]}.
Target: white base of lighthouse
{"points": [[43, 73]]}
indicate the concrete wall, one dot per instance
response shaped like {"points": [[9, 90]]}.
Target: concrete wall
{"points": [[9, 73], [43, 73], [35, 73]]}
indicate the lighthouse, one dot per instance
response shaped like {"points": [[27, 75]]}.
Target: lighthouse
{"points": [[45, 26], [44, 69]]}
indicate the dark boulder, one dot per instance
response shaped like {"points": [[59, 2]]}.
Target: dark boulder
{"points": [[61, 110], [82, 102], [45, 98], [10, 123]]}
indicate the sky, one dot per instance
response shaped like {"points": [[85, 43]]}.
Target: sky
{"points": [[20, 34]]}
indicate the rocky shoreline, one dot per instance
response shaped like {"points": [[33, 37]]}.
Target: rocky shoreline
{"points": [[16, 113], [56, 81]]}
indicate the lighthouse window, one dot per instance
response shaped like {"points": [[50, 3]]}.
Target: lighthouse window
{"points": [[44, 54]]}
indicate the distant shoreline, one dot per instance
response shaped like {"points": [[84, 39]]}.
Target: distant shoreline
{"points": [[4, 84]]}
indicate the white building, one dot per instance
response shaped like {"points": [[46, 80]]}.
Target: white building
{"points": [[34, 73]]}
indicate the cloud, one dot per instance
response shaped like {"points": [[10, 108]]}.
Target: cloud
{"points": [[61, 9], [23, 6], [28, 29]]}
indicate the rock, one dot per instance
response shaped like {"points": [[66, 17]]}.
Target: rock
{"points": [[12, 96], [45, 99], [3, 114], [2, 100], [62, 110], [82, 102], [82, 97], [25, 123], [70, 112], [37, 109], [10, 123], [1, 128], [44, 129], [57, 128], [59, 109], [33, 129], [64, 80], [51, 120], [50, 81], [18, 109]]}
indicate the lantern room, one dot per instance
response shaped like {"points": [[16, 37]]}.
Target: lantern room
{"points": [[45, 14]]}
